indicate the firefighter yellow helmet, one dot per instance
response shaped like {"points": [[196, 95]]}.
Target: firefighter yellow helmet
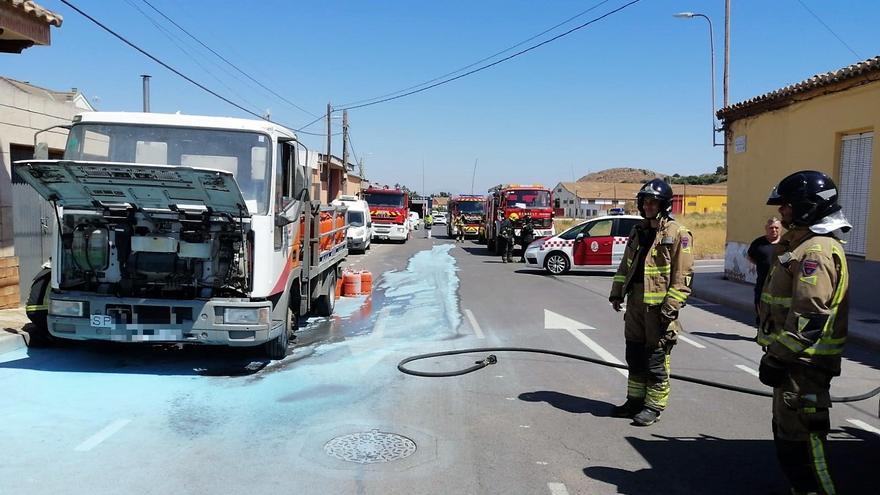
{"points": [[514, 216]]}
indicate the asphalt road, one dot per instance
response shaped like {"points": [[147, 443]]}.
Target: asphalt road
{"points": [[113, 419]]}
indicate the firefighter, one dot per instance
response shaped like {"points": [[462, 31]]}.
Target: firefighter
{"points": [[459, 228], [505, 237], [654, 277], [803, 325], [526, 236]]}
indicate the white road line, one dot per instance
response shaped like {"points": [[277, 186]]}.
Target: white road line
{"points": [[747, 369], [599, 350], [474, 324], [102, 435], [691, 342], [557, 488], [865, 426]]}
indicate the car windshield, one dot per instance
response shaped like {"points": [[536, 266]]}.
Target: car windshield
{"points": [[470, 207], [356, 218], [530, 198], [384, 199], [245, 154]]}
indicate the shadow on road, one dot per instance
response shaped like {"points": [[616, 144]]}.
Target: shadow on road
{"points": [[569, 403], [722, 336], [706, 464]]}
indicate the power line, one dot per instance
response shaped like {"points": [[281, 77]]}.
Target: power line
{"points": [[484, 67], [172, 69], [483, 59], [829, 29], [179, 44], [221, 57]]}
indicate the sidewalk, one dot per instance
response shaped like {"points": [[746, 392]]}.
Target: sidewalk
{"points": [[12, 337], [864, 326]]}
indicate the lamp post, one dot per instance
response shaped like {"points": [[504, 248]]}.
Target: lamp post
{"points": [[691, 15]]}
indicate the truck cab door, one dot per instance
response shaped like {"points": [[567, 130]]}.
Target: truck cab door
{"points": [[593, 244]]}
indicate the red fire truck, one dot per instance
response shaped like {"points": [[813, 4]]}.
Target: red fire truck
{"points": [[471, 209], [389, 212], [516, 201]]}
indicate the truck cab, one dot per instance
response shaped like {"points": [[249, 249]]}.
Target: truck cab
{"points": [[185, 229]]}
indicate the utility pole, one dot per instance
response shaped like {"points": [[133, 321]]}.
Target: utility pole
{"points": [[423, 177], [146, 92], [474, 176], [344, 150], [726, 48], [321, 174]]}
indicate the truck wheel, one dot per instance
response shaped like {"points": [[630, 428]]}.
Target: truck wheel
{"points": [[324, 305], [277, 348], [38, 333], [556, 263]]}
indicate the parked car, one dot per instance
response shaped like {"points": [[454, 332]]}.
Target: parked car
{"points": [[440, 218], [414, 220], [595, 244]]}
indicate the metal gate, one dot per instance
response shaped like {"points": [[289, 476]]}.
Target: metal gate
{"points": [[33, 221]]}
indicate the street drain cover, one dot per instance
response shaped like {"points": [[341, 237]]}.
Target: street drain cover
{"points": [[370, 447]]}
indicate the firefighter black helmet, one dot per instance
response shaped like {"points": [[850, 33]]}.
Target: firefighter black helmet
{"points": [[659, 190], [811, 194]]}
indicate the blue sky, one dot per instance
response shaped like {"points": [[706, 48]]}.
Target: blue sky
{"points": [[630, 90]]}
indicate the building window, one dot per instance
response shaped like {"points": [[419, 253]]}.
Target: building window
{"points": [[855, 188], [692, 203]]}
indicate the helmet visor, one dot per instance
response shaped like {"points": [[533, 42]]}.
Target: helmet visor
{"points": [[774, 198]]}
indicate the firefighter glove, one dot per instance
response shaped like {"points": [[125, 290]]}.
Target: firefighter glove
{"points": [[772, 371]]}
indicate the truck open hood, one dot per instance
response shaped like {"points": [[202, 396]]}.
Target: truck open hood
{"points": [[97, 184]]}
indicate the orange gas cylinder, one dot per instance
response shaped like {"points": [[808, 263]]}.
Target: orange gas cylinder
{"points": [[366, 282], [340, 235], [352, 284], [339, 287], [326, 226]]}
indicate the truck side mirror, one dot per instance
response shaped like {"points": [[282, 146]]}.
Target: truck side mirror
{"points": [[41, 152]]}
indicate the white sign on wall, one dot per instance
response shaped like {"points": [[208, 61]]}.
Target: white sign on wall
{"points": [[739, 144]]}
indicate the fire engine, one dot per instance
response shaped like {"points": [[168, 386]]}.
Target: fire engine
{"points": [[471, 209], [186, 229], [516, 201], [389, 210]]}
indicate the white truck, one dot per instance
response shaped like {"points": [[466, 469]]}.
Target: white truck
{"points": [[186, 229]]}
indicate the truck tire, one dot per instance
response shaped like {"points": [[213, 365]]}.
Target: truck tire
{"points": [[324, 305], [277, 348]]}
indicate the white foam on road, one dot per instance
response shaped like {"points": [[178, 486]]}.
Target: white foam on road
{"points": [[557, 488], [96, 439]]}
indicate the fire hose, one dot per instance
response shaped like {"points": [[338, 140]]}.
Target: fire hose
{"points": [[492, 359]]}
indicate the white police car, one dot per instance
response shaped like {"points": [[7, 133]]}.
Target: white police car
{"points": [[596, 243]]}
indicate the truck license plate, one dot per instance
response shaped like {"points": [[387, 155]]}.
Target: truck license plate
{"points": [[102, 321]]}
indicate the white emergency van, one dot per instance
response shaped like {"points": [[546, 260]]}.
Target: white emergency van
{"points": [[360, 225]]}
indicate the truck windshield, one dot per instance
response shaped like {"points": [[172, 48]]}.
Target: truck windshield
{"points": [[245, 154], [384, 199], [528, 198], [356, 218], [470, 207]]}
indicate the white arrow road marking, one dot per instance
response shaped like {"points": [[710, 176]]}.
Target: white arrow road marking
{"points": [[108, 431], [691, 342], [474, 324], [557, 489], [865, 426], [557, 321], [747, 369]]}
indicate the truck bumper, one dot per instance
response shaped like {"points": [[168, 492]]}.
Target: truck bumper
{"points": [[162, 321], [390, 231]]}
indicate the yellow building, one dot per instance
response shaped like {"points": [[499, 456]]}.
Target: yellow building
{"points": [[587, 199], [823, 123], [688, 199]]}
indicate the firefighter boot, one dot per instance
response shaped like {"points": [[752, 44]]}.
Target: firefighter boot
{"points": [[628, 409], [647, 417]]}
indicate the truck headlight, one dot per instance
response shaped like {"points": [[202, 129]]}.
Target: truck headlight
{"points": [[59, 307], [245, 316]]}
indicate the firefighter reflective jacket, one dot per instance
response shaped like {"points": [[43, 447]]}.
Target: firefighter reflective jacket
{"points": [[804, 305], [669, 267]]}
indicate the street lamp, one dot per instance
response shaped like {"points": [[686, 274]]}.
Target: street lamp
{"points": [[691, 15]]}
